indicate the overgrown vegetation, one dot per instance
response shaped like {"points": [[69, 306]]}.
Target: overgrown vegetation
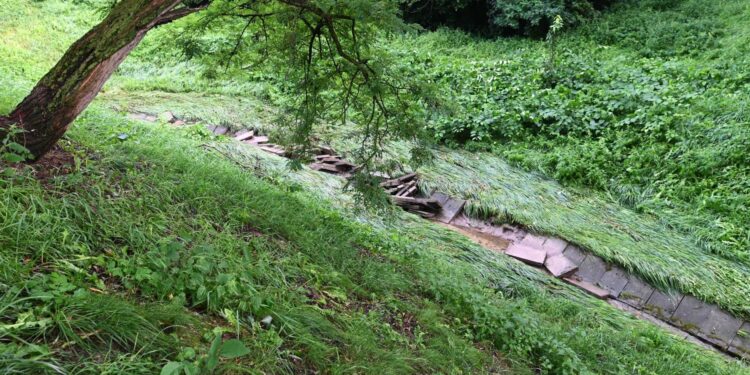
{"points": [[160, 254], [501, 17], [647, 103]]}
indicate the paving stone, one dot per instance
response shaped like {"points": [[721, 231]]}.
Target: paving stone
{"points": [[706, 321], [574, 254], [741, 344], [614, 280], [660, 323], [527, 254], [533, 241], [559, 265], [721, 327], [221, 130], [591, 269], [451, 207], [588, 287], [663, 305], [636, 292], [554, 246]]}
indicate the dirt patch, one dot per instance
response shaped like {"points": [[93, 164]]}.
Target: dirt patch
{"points": [[57, 162], [248, 230], [484, 239], [403, 323]]}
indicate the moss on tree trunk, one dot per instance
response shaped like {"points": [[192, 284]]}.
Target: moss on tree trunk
{"points": [[66, 90]]}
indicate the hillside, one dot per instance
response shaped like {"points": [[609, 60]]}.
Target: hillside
{"points": [[166, 249]]}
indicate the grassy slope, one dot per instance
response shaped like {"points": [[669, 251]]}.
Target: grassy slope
{"points": [[646, 235], [177, 236]]}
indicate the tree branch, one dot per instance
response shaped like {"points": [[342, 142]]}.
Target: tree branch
{"points": [[178, 13]]}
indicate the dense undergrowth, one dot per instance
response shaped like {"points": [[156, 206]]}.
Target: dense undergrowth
{"points": [[158, 252], [672, 198], [648, 103]]}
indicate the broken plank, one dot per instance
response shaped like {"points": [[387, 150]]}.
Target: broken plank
{"points": [[244, 135], [258, 140], [323, 167]]}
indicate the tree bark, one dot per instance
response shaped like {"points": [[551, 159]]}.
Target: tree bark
{"points": [[67, 89]]}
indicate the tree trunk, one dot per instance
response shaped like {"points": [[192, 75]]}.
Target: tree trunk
{"points": [[74, 82]]}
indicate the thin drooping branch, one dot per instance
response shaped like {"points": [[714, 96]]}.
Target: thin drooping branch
{"points": [[178, 13]]}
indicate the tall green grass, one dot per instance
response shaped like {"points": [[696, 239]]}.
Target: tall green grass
{"points": [[157, 243]]}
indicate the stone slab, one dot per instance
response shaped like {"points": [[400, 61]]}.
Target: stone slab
{"points": [[533, 241], [636, 292], [740, 345], [592, 269], [560, 266], [451, 207], [221, 130], [574, 254], [721, 328], [528, 255], [660, 323], [706, 321], [663, 305], [588, 288], [614, 280], [554, 246]]}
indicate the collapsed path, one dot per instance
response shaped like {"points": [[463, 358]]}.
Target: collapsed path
{"points": [[683, 315]]}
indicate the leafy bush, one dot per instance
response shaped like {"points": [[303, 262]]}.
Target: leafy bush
{"points": [[527, 17], [647, 103]]}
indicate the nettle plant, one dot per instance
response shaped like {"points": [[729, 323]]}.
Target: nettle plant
{"points": [[10, 150]]}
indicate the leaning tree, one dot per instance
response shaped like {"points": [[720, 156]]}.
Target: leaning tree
{"points": [[336, 31]]}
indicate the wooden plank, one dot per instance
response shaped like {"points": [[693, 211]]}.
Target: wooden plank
{"points": [[329, 159], [405, 187], [324, 167], [258, 140], [273, 150], [244, 135], [325, 150], [408, 193]]}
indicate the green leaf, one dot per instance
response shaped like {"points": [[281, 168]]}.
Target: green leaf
{"points": [[171, 368], [234, 348], [212, 359], [13, 158]]}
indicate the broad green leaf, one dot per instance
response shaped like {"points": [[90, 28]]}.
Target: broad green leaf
{"points": [[234, 348]]}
